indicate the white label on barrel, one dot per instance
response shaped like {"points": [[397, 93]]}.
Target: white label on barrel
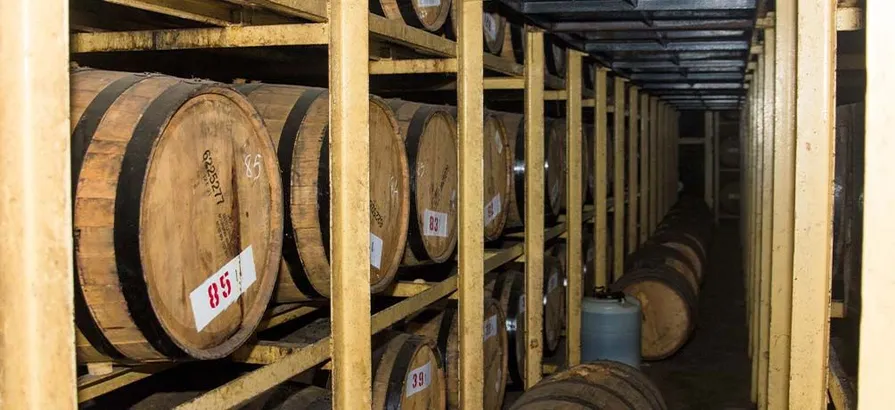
{"points": [[490, 327], [223, 288], [435, 224], [521, 306], [492, 209], [490, 25], [551, 284], [428, 3], [375, 250], [418, 379], [498, 142]]}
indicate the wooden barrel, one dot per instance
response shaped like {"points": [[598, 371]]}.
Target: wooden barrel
{"points": [[555, 153], [517, 39], [589, 267], [498, 176], [430, 135], [298, 121], [293, 396], [555, 56], [589, 75], [428, 15], [730, 198], [729, 153], [493, 29], [653, 254], [408, 375], [669, 308], [177, 217], [443, 326], [687, 245], [598, 385], [589, 138], [554, 164], [554, 303], [585, 164], [508, 288]]}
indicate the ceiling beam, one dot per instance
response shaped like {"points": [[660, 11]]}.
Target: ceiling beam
{"points": [[694, 86], [637, 25], [594, 6], [651, 77], [653, 46], [670, 35], [729, 63]]}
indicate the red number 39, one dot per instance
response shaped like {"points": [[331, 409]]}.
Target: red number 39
{"points": [[419, 379]]}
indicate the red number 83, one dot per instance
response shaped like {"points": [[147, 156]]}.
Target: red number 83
{"points": [[433, 224], [213, 299]]}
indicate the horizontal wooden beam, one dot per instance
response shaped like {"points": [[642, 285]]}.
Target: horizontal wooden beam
{"points": [[504, 83], [414, 66], [193, 38]]}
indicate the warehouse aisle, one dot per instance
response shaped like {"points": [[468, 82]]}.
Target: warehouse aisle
{"points": [[713, 370]]}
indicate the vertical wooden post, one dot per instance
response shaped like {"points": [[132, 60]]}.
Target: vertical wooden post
{"points": [[470, 114], [350, 237], [815, 101], [781, 239], [748, 141], [709, 145], [877, 322], [643, 178], [601, 143], [534, 202], [767, 185], [618, 194], [755, 232], [37, 359], [574, 207], [633, 163], [654, 173]]}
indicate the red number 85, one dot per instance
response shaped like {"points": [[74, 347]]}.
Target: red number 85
{"points": [[213, 299]]}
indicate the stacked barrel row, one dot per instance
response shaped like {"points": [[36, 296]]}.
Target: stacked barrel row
{"points": [[508, 288], [415, 365], [665, 275], [500, 37], [196, 203]]}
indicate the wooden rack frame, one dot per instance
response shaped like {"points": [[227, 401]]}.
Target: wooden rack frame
{"points": [[788, 154], [31, 359]]}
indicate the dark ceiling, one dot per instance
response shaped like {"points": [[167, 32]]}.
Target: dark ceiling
{"points": [[692, 53]]}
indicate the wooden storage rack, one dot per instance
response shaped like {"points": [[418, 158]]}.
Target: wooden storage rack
{"points": [[36, 140], [788, 202]]}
